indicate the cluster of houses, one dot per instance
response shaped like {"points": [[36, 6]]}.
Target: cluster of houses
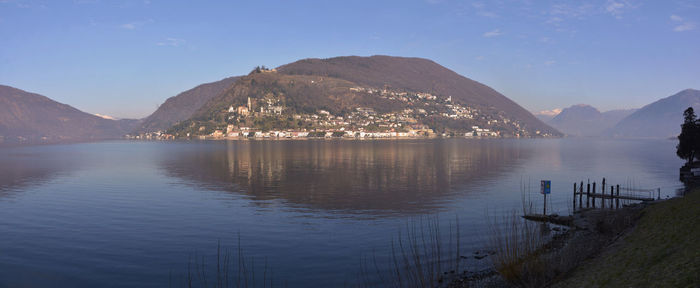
{"points": [[234, 132], [272, 107], [156, 135], [480, 132], [428, 104], [366, 120], [362, 122]]}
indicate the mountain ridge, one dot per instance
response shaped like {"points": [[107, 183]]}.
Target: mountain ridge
{"points": [[342, 85], [418, 74], [659, 119], [582, 120], [183, 105], [27, 117]]}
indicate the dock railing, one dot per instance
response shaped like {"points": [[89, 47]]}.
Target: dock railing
{"points": [[610, 198]]}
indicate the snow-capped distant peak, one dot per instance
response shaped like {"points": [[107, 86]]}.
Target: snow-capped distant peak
{"points": [[552, 113], [105, 117]]}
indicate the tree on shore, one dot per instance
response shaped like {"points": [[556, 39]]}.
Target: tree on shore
{"points": [[688, 147]]}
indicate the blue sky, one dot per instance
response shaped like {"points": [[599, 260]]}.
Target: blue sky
{"points": [[124, 58]]}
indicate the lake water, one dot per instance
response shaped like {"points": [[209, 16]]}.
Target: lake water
{"points": [[132, 214]]}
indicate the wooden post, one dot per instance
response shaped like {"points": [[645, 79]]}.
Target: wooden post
{"points": [[593, 195], [612, 189], [574, 207], [617, 201], [580, 196], [544, 212], [602, 200], [588, 195]]}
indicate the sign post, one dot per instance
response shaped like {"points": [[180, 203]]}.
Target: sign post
{"points": [[545, 188]]}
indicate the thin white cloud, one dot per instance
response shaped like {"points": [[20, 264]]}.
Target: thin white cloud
{"points": [[487, 14], [549, 62], [559, 14], [618, 7], [614, 8], [480, 8], [554, 20], [562, 11], [129, 26], [479, 58], [25, 4], [135, 24], [688, 4], [683, 25], [174, 42], [494, 33]]}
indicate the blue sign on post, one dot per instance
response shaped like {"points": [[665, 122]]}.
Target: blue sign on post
{"points": [[545, 187]]}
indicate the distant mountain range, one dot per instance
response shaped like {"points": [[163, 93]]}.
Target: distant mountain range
{"points": [[661, 119], [32, 118], [342, 85], [587, 121]]}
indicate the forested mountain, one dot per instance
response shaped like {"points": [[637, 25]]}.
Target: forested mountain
{"points": [[416, 90], [183, 105], [414, 74]]}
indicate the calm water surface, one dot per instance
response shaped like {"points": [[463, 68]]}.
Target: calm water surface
{"points": [[131, 214]]}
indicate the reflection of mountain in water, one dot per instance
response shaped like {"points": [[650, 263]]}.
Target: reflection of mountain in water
{"points": [[343, 175], [22, 167]]}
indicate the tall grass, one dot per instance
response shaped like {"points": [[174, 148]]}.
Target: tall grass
{"points": [[517, 244], [421, 256], [526, 256], [229, 268], [526, 197]]}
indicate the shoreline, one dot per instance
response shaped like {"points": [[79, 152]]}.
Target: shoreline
{"points": [[209, 138], [659, 248], [612, 248]]}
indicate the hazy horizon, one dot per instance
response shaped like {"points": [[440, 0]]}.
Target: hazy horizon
{"points": [[123, 59]]}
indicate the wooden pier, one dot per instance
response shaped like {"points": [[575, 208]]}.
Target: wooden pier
{"points": [[613, 196], [623, 197], [606, 199]]}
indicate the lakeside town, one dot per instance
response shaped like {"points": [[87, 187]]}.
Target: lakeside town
{"points": [[270, 118]]}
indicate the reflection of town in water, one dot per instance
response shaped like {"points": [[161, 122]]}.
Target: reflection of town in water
{"points": [[389, 176]]}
